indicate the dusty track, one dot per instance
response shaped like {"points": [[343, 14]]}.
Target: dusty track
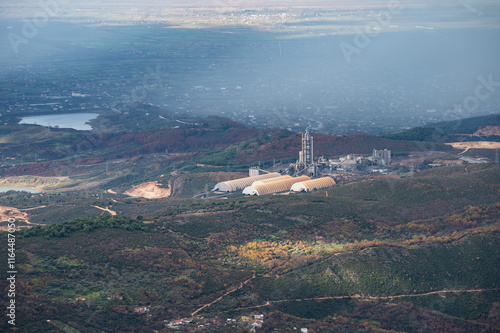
{"points": [[112, 212], [369, 298], [224, 295]]}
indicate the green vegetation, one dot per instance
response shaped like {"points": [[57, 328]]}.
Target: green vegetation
{"points": [[393, 271], [87, 224], [469, 306], [419, 134], [222, 158], [316, 309]]}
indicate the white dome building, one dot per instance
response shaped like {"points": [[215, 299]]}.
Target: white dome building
{"points": [[239, 184], [273, 187], [271, 180], [314, 184]]}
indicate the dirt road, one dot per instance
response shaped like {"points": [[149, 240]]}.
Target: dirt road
{"points": [[112, 212]]}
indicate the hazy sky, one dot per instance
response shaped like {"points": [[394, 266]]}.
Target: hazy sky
{"points": [[363, 57]]}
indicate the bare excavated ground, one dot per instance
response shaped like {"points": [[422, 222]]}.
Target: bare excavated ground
{"points": [[41, 183], [149, 190], [475, 145], [9, 213]]}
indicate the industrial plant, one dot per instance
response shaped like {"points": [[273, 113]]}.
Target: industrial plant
{"points": [[299, 175], [307, 166]]}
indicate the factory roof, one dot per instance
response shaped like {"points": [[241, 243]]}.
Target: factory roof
{"points": [[274, 187], [271, 180], [314, 184], [239, 184]]}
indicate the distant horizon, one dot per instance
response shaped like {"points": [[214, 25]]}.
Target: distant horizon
{"points": [[341, 68]]}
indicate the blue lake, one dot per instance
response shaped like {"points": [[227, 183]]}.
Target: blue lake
{"points": [[4, 189], [76, 121]]}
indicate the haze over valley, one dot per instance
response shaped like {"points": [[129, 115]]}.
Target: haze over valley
{"points": [[285, 66]]}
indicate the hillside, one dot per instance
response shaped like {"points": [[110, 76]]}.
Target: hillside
{"points": [[123, 156], [449, 131], [466, 125], [368, 255], [47, 153], [329, 146]]}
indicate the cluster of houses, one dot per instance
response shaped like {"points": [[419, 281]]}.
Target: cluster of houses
{"points": [[252, 322]]}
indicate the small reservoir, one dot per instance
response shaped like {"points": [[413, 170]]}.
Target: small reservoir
{"points": [[76, 121], [4, 189]]}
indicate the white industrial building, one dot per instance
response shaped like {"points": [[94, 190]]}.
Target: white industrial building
{"points": [[381, 157], [306, 155], [240, 184], [313, 184], [305, 164], [274, 187], [271, 180]]}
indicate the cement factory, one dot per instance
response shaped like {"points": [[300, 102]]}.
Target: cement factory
{"points": [[299, 174]]}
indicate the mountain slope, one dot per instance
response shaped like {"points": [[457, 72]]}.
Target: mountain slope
{"points": [[413, 238]]}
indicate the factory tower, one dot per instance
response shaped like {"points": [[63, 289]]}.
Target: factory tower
{"points": [[306, 155]]}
